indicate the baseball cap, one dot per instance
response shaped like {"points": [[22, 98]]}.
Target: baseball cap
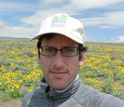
{"points": [[62, 24]]}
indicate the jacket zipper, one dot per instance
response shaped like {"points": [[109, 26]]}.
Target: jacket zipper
{"points": [[53, 103], [51, 100]]}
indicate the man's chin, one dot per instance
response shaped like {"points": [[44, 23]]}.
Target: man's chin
{"points": [[59, 85]]}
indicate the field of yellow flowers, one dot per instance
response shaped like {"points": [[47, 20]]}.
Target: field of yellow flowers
{"points": [[20, 73]]}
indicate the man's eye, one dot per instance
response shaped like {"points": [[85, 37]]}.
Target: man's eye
{"points": [[69, 49], [49, 49]]}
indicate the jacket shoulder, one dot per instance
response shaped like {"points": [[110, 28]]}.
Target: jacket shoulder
{"points": [[89, 97], [28, 97]]}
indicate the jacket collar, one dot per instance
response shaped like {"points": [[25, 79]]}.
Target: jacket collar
{"points": [[60, 94]]}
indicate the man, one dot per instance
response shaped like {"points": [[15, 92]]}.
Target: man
{"points": [[61, 52]]}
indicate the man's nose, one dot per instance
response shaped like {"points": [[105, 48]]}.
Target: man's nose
{"points": [[58, 59]]}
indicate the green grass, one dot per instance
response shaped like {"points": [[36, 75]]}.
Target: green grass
{"points": [[19, 72]]}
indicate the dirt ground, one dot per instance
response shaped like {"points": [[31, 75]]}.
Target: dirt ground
{"points": [[11, 103]]}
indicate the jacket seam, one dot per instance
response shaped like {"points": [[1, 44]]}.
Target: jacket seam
{"points": [[28, 102], [78, 101]]}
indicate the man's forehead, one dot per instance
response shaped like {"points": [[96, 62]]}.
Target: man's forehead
{"points": [[59, 39]]}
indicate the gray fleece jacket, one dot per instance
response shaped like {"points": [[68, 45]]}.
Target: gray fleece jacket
{"points": [[75, 95]]}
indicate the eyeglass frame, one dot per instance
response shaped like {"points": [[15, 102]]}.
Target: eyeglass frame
{"points": [[78, 50]]}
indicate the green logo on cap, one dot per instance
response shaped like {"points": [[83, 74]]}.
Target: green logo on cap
{"points": [[59, 21], [60, 18]]}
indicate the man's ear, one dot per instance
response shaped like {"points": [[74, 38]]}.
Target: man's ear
{"points": [[81, 62], [38, 60]]}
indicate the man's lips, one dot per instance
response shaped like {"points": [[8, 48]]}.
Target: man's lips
{"points": [[58, 74]]}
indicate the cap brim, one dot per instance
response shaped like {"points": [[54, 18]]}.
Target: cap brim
{"points": [[62, 32]]}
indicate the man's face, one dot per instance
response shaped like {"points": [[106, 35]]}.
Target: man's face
{"points": [[59, 71]]}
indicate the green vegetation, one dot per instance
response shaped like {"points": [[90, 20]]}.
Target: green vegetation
{"points": [[20, 73]]}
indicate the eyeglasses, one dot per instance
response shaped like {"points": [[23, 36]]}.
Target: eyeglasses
{"points": [[66, 51]]}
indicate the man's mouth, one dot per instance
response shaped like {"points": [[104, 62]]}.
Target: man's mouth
{"points": [[58, 74]]}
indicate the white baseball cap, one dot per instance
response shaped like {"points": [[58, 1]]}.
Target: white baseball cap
{"points": [[62, 24]]}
